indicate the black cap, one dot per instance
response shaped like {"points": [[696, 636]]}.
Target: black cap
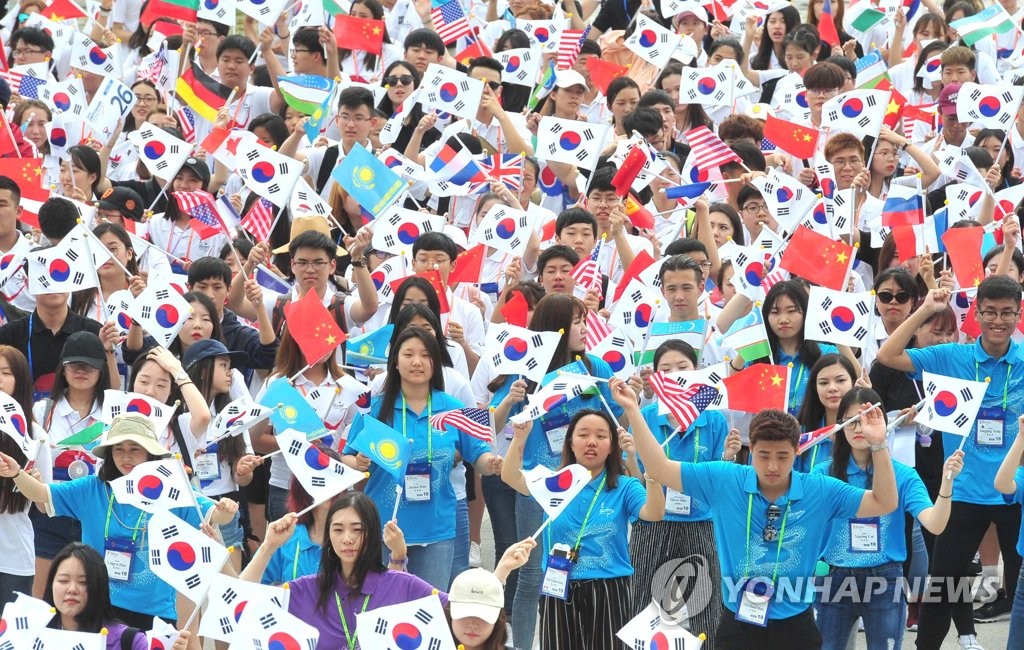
{"points": [[199, 168], [207, 348], [123, 199], [84, 347]]}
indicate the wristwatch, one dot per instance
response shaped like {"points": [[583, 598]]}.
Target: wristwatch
{"points": [[181, 376], [878, 446]]}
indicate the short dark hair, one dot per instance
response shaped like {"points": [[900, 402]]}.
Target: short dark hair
{"points": [[590, 46], [571, 217], [313, 239], [239, 43], [644, 120], [601, 179], [32, 36], [221, 29], [750, 154], [209, 268], [426, 38], [436, 241], [556, 252], [675, 345], [845, 64], [746, 193], [655, 97], [825, 76], [998, 287], [488, 62], [57, 217], [356, 97], [680, 263], [97, 610], [772, 425], [309, 38], [685, 246], [7, 183]]}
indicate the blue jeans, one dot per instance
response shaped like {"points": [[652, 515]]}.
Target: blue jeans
{"points": [[874, 594], [460, 557], [1017, 614], [433, 562], [919, 560], [277, 503], [501, 507], [529, 516]]}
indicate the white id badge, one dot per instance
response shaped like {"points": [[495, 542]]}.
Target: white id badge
{"points": [[676, 503], [556, 437], [117, 555], [990, 428], [417, 482], [556, 577], [754, 602], [207, 467], [864, 535]]}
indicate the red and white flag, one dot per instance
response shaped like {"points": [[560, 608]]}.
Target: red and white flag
{"points": [[709, 151], [471, 421], [450, 21], [259, 219], [570, 42], [597, 329], [685, 404]]}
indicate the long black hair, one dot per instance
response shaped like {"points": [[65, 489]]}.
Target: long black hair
{"points": [[841, 450], [410, 312], [11, 500], [809, 350], [231, 448], [762, 58], [393, 382], [371, 555], [60, 384], [97, 612], [812, 412]]}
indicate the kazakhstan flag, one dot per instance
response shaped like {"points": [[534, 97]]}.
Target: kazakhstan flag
{"points": [[369, 348], [386, 447], [290, 410], [369, 181]]}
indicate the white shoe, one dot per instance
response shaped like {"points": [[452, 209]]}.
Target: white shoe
{"points": [[970, 642], [474, 555]]}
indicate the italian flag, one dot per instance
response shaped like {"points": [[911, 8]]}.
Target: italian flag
{"points": [[993, 20]]}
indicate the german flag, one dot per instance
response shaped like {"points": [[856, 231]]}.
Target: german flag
{"points": [[203, 94]]}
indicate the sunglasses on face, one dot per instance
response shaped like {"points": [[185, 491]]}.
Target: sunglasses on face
{"points": [[770, 533], [886, 297], [398, 80]]}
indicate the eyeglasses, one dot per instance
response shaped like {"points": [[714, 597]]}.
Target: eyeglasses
{"points": [[989, 315], [603, 200], [316, 265], [79, 368], [828, 94], [301, 49], [705, 264], [24, 51], [206, 33], [886, 297], [770, 533], [887, 154], [398, 80], [853, 426], [146, 99], [355, 119], [847, 162], [755, 208]]}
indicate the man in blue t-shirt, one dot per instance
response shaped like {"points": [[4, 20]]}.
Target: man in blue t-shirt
{"points": [[770, 522], [995, 358]]}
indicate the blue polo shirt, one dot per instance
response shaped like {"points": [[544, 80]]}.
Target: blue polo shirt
{"points": [[423, 522], [89, 499], [703, 442], [1018, 497], [892, 541], [537, 450], [812, 502], [604, 549], [815, 456], [970, 361], [800, 374], [297, 557]]}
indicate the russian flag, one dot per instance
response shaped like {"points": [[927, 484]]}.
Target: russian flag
{"points": [[904, 206], [456, 167]]}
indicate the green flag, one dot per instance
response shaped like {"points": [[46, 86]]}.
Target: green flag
{"points": [[83, 437]]}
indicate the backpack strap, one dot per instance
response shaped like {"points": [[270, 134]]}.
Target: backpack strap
{"points": [[277, 314], [327, 166], [128, 637]]}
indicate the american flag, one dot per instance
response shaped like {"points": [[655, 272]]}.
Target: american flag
{"points": [[597, 329], [507, 168], [708, 150], [199, 205], [450, 21], [187, 122], [152, 67], [22, 84], [686, 404], [471, 421], [586, 273], [570, 42], [259, 220], [767, 146]]}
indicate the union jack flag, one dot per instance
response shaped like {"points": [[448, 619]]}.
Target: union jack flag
{"points": [[597, 329], [450, 21], [471, 421], [259, 220], [686, 404], [504, 167]]}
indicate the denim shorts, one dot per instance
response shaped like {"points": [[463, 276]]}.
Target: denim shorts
{"points": [[53, 533]]}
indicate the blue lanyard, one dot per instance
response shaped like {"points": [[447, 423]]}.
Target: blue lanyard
{"points": [[31, 371]]}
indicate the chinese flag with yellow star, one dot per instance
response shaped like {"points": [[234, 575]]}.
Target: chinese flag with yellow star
{"points": [[758, 387], [897, 102], [363, 34], [312, 327], [28, 174], [815, 257], [964, 248], [795, 139]]}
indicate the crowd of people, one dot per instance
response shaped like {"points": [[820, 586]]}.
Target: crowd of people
{"points": [[833, 508]]}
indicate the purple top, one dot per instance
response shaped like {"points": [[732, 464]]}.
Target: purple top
{"points": [[388, 588], [114, 632]]}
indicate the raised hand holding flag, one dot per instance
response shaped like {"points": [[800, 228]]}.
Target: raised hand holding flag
{"points": [[952, 404], [320, 475], [182, 556], [554, 490]]}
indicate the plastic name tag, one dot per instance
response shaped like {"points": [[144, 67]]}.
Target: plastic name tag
{"points": [[989, 429], [676, 503], [556, 437], [754, 602], [556, 577], [417, 481], [864, 535], [117, 555], [207, 467]]}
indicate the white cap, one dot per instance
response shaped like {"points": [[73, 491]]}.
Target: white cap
{"points": [[476, 593], [457, 235], [568, 79], [690, 7]]}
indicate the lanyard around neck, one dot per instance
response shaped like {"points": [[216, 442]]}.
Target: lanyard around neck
{"points": [[139, 523], [593, 502], [349, 637], [778, 546], [430, 427], [1006, 384]]}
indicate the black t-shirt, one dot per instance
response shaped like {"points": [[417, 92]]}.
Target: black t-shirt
{"points": [[617, 14], [44, 348]]}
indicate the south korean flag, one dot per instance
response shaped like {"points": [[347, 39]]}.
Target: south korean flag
{"points": [[951, 405]]}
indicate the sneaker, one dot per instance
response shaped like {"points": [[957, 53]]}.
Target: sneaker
{"points": [[970, 642], [913, 609], [997, 610], [474, 555]]}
